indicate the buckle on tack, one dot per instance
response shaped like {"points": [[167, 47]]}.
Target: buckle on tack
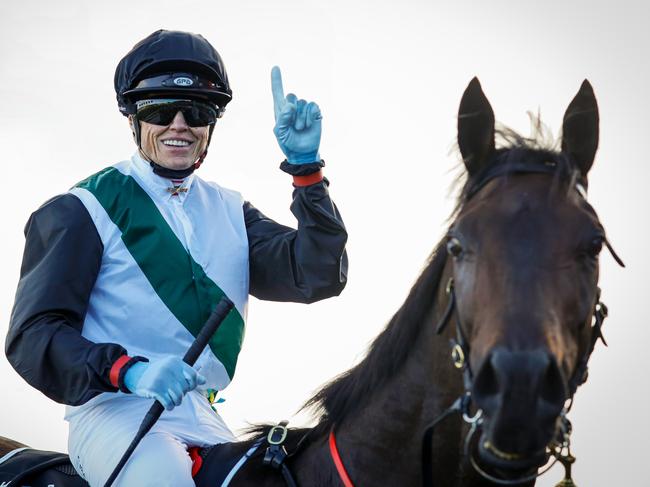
{"points": [[278, 433], [276, 453]]}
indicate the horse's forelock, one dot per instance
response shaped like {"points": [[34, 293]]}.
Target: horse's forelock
{"points": [[512, 147]]}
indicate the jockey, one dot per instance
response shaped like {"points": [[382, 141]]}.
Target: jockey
{"points": [[120, 272]]}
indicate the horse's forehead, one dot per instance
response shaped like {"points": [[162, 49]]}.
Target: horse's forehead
{"points": [[530, 199]]}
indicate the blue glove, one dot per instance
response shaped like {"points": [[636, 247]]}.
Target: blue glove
{"points": [[166, 380], [297, 124]]}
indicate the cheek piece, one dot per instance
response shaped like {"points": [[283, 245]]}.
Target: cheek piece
{"points": [[164, 171]]}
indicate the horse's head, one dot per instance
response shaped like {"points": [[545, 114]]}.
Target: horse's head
{"points": [[525, 248]]}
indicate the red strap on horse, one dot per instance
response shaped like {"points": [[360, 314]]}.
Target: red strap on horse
{"points": [[340, 468]]}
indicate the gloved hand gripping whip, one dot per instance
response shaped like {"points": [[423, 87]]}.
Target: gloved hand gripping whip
{"points": [[209, 328], [167, 380]]}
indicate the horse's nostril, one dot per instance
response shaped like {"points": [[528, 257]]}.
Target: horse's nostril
{"points": [[552, 386]]}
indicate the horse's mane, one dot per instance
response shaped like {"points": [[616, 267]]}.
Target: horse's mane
{"points": [[351, 391], [389, 351]]}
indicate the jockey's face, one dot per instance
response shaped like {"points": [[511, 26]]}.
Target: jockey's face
{"points": [[174, 146]]}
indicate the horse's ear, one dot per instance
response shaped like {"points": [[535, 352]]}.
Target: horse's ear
{"points": [[580, 128], [475, 127]]}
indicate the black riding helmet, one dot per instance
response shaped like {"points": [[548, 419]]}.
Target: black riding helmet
{"points": [[171, 64]]}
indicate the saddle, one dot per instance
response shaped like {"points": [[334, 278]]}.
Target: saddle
{"points": [[38, 468], [26, 467], [212, 466]]}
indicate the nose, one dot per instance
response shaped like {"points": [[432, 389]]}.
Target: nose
{"points": [[519, 391], [179, 122]]}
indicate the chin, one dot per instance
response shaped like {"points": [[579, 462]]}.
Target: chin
{"points": [[510, 465], [177, 164]]}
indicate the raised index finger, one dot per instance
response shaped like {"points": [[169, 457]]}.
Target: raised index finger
{"points": [[277, 89]]}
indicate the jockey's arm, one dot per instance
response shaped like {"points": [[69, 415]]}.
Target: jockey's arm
{"points": [[303, 265], [62, 258], [61, 262]]}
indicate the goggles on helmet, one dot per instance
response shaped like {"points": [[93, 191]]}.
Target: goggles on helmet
{"points": [[163, 111]]}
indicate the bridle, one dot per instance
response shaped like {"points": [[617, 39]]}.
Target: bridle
{"points": [[560, 445]]}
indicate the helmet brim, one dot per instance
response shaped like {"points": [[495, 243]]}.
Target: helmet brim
{"points": [[178, 85]]}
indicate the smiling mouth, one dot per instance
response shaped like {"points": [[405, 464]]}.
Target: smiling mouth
{"points": [[176, 143]]}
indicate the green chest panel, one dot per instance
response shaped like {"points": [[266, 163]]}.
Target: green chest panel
{"points": [[178, 280]]}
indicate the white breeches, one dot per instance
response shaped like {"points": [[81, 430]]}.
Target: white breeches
{"points": [[100, 434]]}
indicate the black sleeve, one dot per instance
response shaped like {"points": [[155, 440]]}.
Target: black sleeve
{"points": [[303, 265], [61, 262]]}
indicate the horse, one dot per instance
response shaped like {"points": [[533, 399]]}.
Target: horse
{"points": [[470, 382]]}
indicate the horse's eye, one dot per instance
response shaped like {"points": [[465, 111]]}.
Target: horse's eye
{"points": [[595, 246], [454, 247]]}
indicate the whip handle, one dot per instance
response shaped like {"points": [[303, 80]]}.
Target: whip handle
{"points": [[209, 328]]}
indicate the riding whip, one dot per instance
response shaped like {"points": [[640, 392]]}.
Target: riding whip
{"points": [[209, 328]]}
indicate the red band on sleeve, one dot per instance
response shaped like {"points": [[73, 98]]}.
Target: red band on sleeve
{"points": [[115, 369], [308, 180]]}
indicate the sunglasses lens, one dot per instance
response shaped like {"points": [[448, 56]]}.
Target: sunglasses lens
{"points": [[157, 114], [200, 115], [162, 112]]}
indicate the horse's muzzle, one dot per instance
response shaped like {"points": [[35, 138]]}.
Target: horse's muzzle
{"points": [[522, 394]]}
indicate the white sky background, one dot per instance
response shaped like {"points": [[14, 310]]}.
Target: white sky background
{"points": [[388, 77]]}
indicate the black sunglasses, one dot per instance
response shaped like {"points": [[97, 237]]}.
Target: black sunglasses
{"points": [[163, 111]]}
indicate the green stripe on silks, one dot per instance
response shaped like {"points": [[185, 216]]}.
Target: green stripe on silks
{"points": [[178, 280]]}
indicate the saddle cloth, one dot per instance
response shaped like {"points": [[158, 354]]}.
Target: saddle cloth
{"points": [[25, 467]]}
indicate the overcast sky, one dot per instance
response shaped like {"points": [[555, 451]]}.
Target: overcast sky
{"points": [[388, 76]]}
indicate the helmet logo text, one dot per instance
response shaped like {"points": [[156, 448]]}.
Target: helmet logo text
{"points": [[183, 81]]}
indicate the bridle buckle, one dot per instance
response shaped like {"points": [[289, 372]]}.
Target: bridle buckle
{"points": [[458, 356]]}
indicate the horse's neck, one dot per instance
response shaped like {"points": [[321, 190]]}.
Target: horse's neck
{"points": [[7, 445], [382, 444]]}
